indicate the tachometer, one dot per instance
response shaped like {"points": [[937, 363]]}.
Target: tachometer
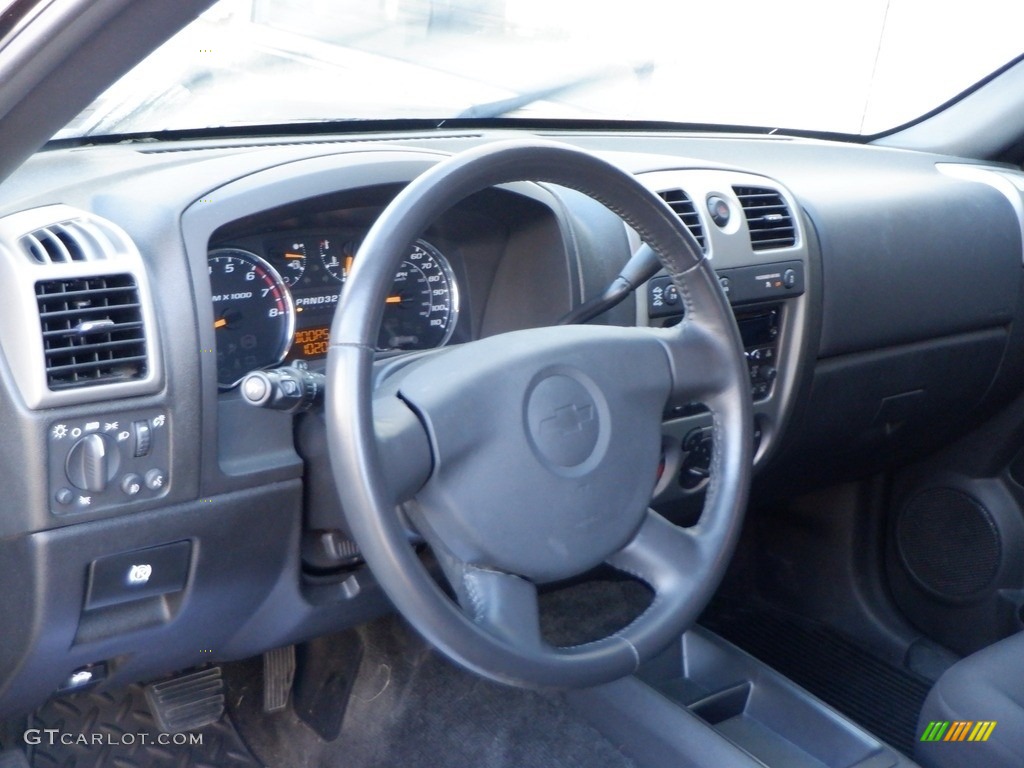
{"points": [[253, 313]]}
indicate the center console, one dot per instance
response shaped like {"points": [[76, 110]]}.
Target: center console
{"points": [[704, 702]]}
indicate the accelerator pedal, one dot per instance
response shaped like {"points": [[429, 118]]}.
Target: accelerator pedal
{"points": [[188, 702], [278, 676]]}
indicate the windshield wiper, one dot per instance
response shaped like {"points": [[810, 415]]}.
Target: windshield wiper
{"points": [[504, 107]]}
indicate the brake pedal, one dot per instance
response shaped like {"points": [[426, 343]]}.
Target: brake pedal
{"points": [[278, 676], [188, 702]]}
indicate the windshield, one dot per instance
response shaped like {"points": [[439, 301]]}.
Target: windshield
{"points": [[856, 67]]}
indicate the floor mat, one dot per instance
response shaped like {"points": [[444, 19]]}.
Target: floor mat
{"points": [[417, 709], [410, 707], [100, 730], [883, 699]]}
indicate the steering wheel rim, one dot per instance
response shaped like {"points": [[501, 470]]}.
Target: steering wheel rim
{"points": [[390, 445]]}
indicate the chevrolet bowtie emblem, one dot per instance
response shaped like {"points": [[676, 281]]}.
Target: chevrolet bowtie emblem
{"points": [[567, 419]]}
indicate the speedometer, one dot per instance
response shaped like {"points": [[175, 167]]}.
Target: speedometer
{"points": [[253, 314], [423, 304]]}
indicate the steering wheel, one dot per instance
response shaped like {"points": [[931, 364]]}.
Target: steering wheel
{"points": [[530, 457]]}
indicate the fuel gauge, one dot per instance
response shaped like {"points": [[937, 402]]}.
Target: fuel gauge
{"points": [[337, 259]]}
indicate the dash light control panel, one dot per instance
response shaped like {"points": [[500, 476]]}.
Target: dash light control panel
{"points": [[108, 460]]}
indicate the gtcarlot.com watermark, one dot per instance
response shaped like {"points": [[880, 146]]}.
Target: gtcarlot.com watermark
{"points": [[54, 736]]}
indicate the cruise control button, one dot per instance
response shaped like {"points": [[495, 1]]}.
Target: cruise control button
{"points": [[156, 480], [131, 484]]}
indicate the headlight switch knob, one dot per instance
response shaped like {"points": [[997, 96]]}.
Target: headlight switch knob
{"points": [[92, 463]]}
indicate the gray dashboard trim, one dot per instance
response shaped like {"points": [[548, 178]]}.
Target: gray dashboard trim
{"points": [[1008, 183]]}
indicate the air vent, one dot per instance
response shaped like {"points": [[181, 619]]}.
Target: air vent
{"points": [[64, 243], [768, 218], [93, 331], [679, 202]]}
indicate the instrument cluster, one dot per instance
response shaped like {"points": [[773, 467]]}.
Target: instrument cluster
{"points": [[274, 298]]}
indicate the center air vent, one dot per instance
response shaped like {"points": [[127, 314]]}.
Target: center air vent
{"points": [[679, 202], [768, 218], [93, 331]]}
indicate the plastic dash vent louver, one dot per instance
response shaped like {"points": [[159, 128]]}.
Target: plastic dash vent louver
{"points": [[679, 202], [67, 242], [768, 218], [93, 331]]}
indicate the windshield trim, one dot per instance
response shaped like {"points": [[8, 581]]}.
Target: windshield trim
{"points": [[400, 125], [947, 104]]}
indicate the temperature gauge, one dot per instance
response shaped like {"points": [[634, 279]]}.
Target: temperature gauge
{"points": [[290, 258]]}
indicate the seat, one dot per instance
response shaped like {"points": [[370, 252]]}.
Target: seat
{"points": [[987, 686]]}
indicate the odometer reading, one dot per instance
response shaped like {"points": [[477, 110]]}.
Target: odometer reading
{"points": [[253, 316], [311, 343]]}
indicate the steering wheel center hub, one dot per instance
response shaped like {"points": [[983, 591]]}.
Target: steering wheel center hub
{"points": [[544, 453], [566, 419]]}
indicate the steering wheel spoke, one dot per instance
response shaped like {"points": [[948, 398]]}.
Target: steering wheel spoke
{"points": [[502, 604], [402, 445], [668, 558], [675, 562]]}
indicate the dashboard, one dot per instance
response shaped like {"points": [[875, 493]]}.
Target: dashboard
{"points": [[179, 268]]}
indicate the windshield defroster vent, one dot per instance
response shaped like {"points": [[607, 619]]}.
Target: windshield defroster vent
{"points": [[67, 242], [679, 202], [93, 331], [768, 218]]}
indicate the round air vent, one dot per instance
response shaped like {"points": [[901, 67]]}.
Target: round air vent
{"points": [[949, 543]]}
